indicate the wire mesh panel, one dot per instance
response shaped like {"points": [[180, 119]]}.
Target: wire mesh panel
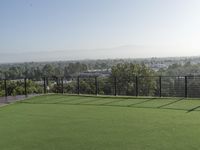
{"points": [[173, 86], [2, 90], [106, 86], [166, 86], [34, 86], [125, 86], [15, 87], [193, 86], [70, 85], [52, 85], [87, 85], [148, 86]]}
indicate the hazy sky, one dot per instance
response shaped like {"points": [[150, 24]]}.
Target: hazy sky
{"points": [[80, 29]]}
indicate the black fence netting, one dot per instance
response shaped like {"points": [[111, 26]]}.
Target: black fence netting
{"points": [[15, 87], [125, 86], [2, 88], [106, 86], [33, 86], [148, 86], [70, 85], [173, 86], [193, 86], [87, 85], [154, 86]]}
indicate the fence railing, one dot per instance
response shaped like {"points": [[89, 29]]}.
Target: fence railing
{"points": [[156, 86]]}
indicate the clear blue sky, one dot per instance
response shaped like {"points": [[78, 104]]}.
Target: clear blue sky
{"points": [[28, 26]]}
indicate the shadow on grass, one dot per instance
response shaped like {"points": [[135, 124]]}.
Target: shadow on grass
{"points": [[131, 105], [111, 96], [114, 101], [65, 100], [111, 103], [85, 102], [193, 109], [170, 103]]}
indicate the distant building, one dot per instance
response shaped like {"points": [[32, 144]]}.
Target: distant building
{"points": [[96, 73], [156, 67]]}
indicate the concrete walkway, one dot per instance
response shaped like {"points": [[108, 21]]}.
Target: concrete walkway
{"points": [[10, 99]]}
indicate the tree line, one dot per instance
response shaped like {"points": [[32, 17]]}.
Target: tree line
{"points": [[37, 71], [124, 73]]}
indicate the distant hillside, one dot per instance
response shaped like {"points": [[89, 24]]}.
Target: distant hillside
{"points": [[121, 52]]}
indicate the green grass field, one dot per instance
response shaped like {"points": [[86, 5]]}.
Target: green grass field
{"points": [[61, 122]]}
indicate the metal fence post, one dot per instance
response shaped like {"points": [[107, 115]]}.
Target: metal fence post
{"points": [[47, 84], [5, 88], [57, 88], [47, 81], [25, 87], [160, 86], [186, 87], [62, 85], [44, 85], [136, 85], [96, 85], [78, 85], [115, 83], [57, 81]]}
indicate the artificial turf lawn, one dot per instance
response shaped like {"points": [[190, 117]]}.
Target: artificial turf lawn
{"points": [[57, 122]]}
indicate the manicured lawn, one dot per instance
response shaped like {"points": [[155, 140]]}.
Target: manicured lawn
{"points": [[61, 122]]}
